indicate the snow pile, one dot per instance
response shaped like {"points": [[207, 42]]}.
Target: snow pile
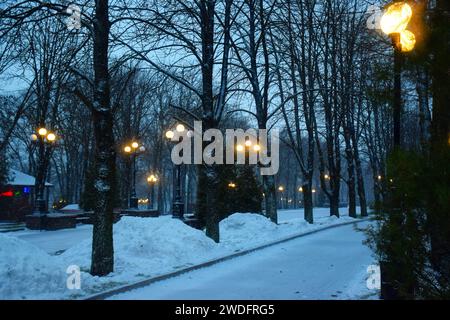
{"points": [[28, 272], [145, 247], [73, 206], [242, 230]]}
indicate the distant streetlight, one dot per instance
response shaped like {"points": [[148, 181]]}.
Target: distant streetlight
{"points": [[394, 23], [314, 193], [51, 137], [152, 180], [178, 204], [135, 145], [170, 134], [44, 139], [133, 150], [180, 128], [232, 185], [281, 190], [42, 132]]}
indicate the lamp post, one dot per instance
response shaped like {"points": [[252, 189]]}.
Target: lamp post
{"points": [[178, 204], [45, 139], [394, 23], [314, 196], [152, 180], [133, 150], [281, 190]]}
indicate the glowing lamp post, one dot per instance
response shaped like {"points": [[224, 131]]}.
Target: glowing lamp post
{"points": [[45, 139], [394, 23], [178, 204], [152, 180], [281, 190], [133, 151]]}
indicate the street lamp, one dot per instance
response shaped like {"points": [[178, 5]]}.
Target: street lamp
{"points": [[240, 148], [45, 139], [133, 150], [314, 196], [152, 180], [281, 190], [42, 132], [178, 204], [180, 128], [394, 23]]}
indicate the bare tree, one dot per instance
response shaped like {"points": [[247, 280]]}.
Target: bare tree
{"points": [[252, 52]]}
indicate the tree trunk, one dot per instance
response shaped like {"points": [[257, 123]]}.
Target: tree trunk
{"points": [[43, 163], [351, 174], [440, 138], [308, 201], [351, 192], [270, 198], [210, 181], [360, 180], [334, 201], [105, 156]]}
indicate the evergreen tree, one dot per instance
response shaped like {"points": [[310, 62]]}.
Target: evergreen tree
{"points": [[239, 190], [88, 197], [248, 197], [413, 237]]}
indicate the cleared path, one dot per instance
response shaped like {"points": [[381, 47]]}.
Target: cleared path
{"points": [[327, 265]]}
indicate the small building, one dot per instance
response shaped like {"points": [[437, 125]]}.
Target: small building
{"points": [[17, 196]]}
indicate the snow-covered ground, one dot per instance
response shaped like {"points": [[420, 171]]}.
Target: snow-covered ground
{"points": [[327, 265], [56, 241], [144, 247]]}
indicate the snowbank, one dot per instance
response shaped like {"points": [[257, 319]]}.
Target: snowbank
{"points": [[72, 206], [27, 272], [143, 248], [242, 230]]}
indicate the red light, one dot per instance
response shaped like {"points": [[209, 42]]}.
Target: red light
{"points": [[7, 194]]}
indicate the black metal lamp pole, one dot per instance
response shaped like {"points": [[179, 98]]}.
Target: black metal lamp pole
{"points": [[133, 197], [39, 202], [397, 107], [132, 151], [45, 140], [152, 179], [178, 204], [151, 205]]}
